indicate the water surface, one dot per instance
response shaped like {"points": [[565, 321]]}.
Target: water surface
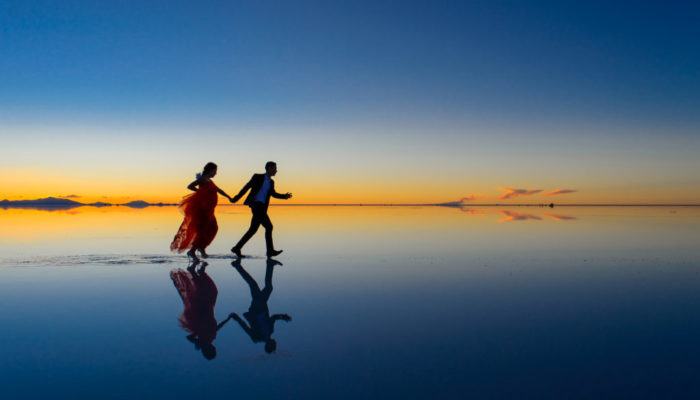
{"points": [[414, 302]]}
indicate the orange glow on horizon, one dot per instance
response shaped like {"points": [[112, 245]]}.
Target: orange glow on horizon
{"points": [[28, 184]]}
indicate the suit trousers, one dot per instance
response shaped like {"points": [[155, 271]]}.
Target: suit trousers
{"points": [[259, 218]]}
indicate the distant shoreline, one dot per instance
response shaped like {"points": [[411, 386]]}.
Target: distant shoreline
{"points": [[57, 203], [50, 207], [474, 205], [53, 203]]}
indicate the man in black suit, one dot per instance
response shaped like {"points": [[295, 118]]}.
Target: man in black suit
{"points": [[261, 187], [260, 324]]}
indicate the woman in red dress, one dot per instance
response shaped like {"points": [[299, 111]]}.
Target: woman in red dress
{"points": [[199, 227], [198, 293]]}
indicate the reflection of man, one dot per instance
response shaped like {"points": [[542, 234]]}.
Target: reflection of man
{"points": [[260, 324], [261, 187]]}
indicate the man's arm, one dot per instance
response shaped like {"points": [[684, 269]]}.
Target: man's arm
{"points": [[277, 317], [243, 191], [241, 323], [276, 195], [284, 317]]}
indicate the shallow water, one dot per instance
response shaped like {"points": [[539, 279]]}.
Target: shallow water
{"points": [[415, 302]]}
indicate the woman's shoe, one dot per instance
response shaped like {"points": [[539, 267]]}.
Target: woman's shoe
{"points": [[204, 253]]}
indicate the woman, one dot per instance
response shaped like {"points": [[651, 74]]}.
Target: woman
{"points": [[199, 227], [198, 293]]}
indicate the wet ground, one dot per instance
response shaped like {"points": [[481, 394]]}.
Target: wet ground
{"points": [[367, 302]]}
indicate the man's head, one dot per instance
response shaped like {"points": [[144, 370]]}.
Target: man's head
{"points": [[271, 168], [270, 345]]}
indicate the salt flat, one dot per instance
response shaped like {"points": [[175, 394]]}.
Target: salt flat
{"points": [[415, 302]]}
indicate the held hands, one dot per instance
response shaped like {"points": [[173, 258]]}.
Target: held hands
{"points": [[236, 198]]}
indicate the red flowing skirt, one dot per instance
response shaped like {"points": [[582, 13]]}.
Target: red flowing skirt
{"points": [[199, 226], [198, 295]]}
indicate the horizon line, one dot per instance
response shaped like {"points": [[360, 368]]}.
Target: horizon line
{"points": [[386, 204], [485, 205]]}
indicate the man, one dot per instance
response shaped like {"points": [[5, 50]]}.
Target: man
{"points": [[261, 187], [261, 325]]}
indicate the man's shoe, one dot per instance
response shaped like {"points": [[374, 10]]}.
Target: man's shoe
{"points": [[271, 262], [273, 253], [235, 250]]}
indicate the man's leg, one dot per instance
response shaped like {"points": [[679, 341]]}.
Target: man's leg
{"points": [[267, 224], [254, 225], [254, 288], [267, 290]]}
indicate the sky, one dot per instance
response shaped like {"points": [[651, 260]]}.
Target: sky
{"points": [[357, 102]]}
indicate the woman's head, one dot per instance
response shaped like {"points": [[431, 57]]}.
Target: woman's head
{"points": [[209, 351], [209, 170]]}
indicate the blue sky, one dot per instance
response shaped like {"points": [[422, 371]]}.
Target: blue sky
{"points": [[398, 72], [369, 59]]}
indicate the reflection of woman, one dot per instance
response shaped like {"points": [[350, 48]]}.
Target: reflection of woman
{"points": [[198, 293], [260, 324], [199, 227]]}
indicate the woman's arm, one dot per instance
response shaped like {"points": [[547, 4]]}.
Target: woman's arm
{"points": [[222, 323], [193, 186], [221, 192]]}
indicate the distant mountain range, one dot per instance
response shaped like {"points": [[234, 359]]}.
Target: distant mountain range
{"points": [[54, 203]]}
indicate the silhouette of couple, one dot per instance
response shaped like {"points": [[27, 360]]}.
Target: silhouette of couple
{"points": [[199, 226], [199, 293]]}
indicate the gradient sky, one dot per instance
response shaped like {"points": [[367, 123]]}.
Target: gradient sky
{"points": [[374, 102]]}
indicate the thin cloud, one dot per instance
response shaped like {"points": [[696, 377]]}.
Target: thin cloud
{"points": [[471, 211], [513, 193], [71, 196], [516, 216], [471, 197], [559, 217], [559, 191]]}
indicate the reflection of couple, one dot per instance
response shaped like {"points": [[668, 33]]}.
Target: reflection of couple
{"points": [[199, 226], [199, 293]]}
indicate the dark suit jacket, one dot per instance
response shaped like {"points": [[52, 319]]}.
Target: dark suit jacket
{"points": [[254, 185]]}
